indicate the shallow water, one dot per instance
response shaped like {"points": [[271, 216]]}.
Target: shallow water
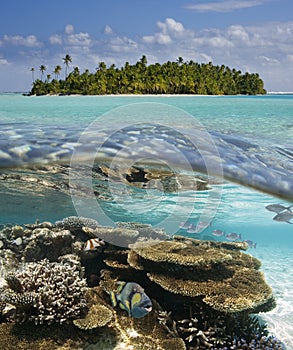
{"points": [[251, 144]]}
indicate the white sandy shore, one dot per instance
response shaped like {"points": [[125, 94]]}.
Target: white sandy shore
{"points": [[277, 265]]}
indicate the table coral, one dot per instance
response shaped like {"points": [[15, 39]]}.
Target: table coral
{"points": [[226, 279]]}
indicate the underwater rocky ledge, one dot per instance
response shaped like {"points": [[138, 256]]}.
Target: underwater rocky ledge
{"points": [[57, 280]]}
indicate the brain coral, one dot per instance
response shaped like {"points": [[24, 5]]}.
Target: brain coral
{"points": [[51, 291]]}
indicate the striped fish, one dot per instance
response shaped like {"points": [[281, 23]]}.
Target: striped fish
{"points": [[93, 244], [131, 298]]}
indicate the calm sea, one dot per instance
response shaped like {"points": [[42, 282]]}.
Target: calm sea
{"points": [[252, 146], [255, 131]]}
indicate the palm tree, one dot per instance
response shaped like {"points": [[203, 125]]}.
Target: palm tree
{"points": [[33, 74], [143, 60], [57, 71], [42, 69], [67, 59]]}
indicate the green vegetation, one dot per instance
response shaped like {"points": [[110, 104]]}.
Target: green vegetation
{"points": [[168, 78]]}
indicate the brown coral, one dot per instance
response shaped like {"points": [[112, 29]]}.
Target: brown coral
{"points": [[98, 316], [228, 280], [51, 292]]}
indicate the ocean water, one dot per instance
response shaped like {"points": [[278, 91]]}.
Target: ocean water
{"points": [[241, 145]]}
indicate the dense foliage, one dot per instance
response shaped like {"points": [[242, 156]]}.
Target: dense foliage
{"points": [[168, 78]]}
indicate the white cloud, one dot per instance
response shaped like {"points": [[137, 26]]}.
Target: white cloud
{"points": [[55, 39], [108, 30], [169, 30], [237, 32], [122, 44], [3, 61], [171, 26], [220, 42], [69, 29], [224, 5], [19, 40], [266, 49], [79, 39], [268, 60], [71, 39]]}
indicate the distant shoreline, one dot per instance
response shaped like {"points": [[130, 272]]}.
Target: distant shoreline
{"points": [[143, 95]]}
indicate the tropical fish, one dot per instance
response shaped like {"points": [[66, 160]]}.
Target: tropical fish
{"points": [[218, 233], [132, 298], [278, 208], [233, 236], [192, 229], [184, 225], [250, 243], [93, 244], [202, 225], [285, 216]]}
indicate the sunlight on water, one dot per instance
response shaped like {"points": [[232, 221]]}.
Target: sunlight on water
{"points": [[184, 192]]}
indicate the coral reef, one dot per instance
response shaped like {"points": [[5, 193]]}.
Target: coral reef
{"points": [[227, 280], [156, 178], [97, 316], [46, 292], [203, 292], [74, 223], [126, 233], [44, 243]]}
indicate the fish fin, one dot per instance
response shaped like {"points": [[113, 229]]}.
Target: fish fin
{"points": [[120, 285], [136, 298], [125, 306], [113, 299]]}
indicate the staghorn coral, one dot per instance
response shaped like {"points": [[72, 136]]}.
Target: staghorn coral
{"points": [[206, 328], [51, 291]]}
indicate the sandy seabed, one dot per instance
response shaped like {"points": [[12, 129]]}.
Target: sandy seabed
{"points": [[277, 265]]}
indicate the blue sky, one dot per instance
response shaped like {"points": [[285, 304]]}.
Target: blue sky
{"points": [[250, 35]]}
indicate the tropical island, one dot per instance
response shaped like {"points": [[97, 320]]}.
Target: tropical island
{"points": [[140, 78]]}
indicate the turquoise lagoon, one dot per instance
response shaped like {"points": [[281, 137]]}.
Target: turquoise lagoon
{"points": [[257, 130]]}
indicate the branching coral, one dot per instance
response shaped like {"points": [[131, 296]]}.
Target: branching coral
{"points": [[74, 223], [50, 292], [45, 243]]}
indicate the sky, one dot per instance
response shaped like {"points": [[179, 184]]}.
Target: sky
{"points": [[254, 36]]}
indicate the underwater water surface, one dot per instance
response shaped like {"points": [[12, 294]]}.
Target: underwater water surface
{"points": [[219, 193]]}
